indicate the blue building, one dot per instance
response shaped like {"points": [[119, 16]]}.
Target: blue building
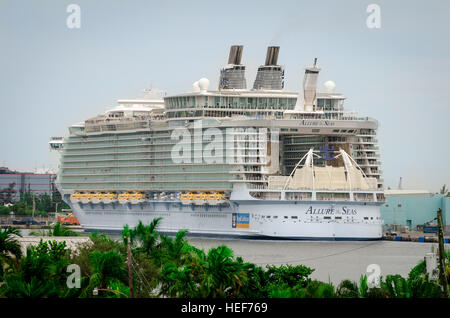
{"points": [[414, 208]]}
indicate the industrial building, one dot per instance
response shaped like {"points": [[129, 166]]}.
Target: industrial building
{"points": [[414, 208], [20, 182]]}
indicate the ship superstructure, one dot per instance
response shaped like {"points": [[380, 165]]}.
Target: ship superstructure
{"points": [[218, 162]]}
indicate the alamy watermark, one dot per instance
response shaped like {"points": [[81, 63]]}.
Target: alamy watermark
{"points": [[374, 275], [73, 21], [216, 146], [374, 19], [74, 279]]}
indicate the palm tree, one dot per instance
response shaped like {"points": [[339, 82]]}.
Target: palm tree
{"points": [[9, 247], [107, 271], [41, 273], [444, 190], [223, 275], [145, 235], [172, 249]]}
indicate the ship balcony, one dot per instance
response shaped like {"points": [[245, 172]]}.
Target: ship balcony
{"points": [[365, 141], [369, 164], [366, 135], [253, 186], [368, 157], [248, 179]]}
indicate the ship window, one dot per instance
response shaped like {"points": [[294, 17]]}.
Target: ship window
{"points": [[366, 218], [275, 217], [327, 217], [268, 216], [338, 217], [285, 216], [335, 130], [315, 130], [294, 217]]}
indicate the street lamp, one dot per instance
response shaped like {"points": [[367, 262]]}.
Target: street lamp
{"points": [[96, 289]]}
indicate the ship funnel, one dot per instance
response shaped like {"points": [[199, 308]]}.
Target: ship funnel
{"points": [[235, 54], [272, 55], [232, 76], [270, 76], [306, 99]]}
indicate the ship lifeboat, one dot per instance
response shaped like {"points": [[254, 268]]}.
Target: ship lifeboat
{"points": [[212, 198], [137, 197], [124, 197], [96, 197], [199, 198], [109, 197], [85, 197], [75, 197], [186, 198], [221, 198]]}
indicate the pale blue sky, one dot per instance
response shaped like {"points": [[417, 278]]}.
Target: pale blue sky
{"points": [[52, 76]]}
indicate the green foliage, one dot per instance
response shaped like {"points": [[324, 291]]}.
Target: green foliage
{"points": [[418, 271], [317, 289], [99, 242], [224, 276], [288, 275], [41, 273], [10, 251], [172, 250], [57, 230], [144, 236], [347, 289], [377, 292], [44, 204], [107, 270], [6, 194], [217, 274], [363, 286], [169, 266], [61, 230], [396, 286]]}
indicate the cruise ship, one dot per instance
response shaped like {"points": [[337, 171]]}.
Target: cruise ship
{"points": [[233, 161]]}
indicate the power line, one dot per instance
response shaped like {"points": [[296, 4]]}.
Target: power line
{"points": [[319, 257]]}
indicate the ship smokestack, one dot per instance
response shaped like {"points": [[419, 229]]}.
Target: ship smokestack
{"points": [[232, 76], [235, 54], [307, 96], [272, 55], [270, 76]]}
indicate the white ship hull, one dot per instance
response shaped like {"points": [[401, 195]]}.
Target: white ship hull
{"points": [[309, 220]]}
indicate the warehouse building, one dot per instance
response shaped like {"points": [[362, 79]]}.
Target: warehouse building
{"points": [[414, 208]]}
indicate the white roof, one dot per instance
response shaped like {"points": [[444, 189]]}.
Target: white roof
{"points": [[407, 193], [256, 93], [135, 107]]}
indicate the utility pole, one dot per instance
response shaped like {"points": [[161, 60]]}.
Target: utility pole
{"points": [[56, 212], [34, 207], [442, 277], [130, 272]]}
